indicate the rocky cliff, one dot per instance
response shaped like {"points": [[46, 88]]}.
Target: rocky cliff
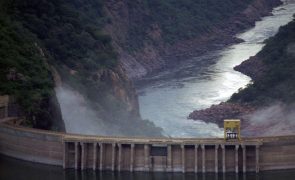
{"points": [[267, 103], [153, 35]]}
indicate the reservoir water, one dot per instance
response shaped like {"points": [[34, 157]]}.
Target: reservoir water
{"points": [[168, 97], [12, 169]]}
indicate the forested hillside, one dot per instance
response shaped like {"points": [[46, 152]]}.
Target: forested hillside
{"points": [[272, 70], [182, 20], [153, 34], [65, 34], [272, 87]]}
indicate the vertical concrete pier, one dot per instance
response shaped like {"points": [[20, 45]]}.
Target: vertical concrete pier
{"points": [[237, 158], [77, 155], [169, 158], [216, 158], [94, 156], [196, 158], [223, 158], [113, 156], [244, 158], [65, 155], [257, 158], [101, 156], [119, 157], [183, 158], [203, 158], [83, 158], [131, 157], [147, 157]]}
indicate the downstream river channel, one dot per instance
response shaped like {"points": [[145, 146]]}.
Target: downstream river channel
{"points": [[169, 97]]}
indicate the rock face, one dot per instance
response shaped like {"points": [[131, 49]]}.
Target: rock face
{"points": [[151, 57], [252, 67], [224, 110], [159, 54], [57, 122], [121, 87]]}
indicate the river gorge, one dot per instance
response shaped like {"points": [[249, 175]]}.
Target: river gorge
{"points": [[166, 98], [169, 96]]}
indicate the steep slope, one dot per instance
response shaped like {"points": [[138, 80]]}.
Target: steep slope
{"points": [[25, 74], [266, 105], [71, 36], [67, 35], [150, 35], [272, 71]]}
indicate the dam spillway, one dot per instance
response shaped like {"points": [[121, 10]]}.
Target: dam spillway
{"points": [[166, 155], [147, 154]]}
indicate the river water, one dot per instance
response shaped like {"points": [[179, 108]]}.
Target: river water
{"points": [[169, 96]]}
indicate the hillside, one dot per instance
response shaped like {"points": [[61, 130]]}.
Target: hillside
{"points": [[97, 46], [153, 34], [271, 95], [273, 75], [67, 35]]}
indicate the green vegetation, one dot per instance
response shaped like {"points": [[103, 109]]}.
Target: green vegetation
{"points": [[64, 33], [180, 20], [278, 81], [69, 29], [23, 71]]}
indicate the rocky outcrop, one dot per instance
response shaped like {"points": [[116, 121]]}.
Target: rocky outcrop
{"points": [[158, 54], [148, 58], [252, 67], [217, 113], [117, 85], [121, 88]]}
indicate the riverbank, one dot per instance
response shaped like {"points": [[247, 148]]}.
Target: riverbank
{"points": [[271, 93], [225, 110], [168, 97]]}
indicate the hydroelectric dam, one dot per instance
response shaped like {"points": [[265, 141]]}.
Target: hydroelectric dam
{"points": [[198, 155]]}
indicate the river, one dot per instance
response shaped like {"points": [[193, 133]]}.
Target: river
{"points": [[169, 96]]}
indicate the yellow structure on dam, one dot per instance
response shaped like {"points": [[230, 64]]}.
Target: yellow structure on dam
{"points": [[232, 129]]}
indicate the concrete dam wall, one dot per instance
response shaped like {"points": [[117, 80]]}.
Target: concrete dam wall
{"points": [[145, 154]]}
